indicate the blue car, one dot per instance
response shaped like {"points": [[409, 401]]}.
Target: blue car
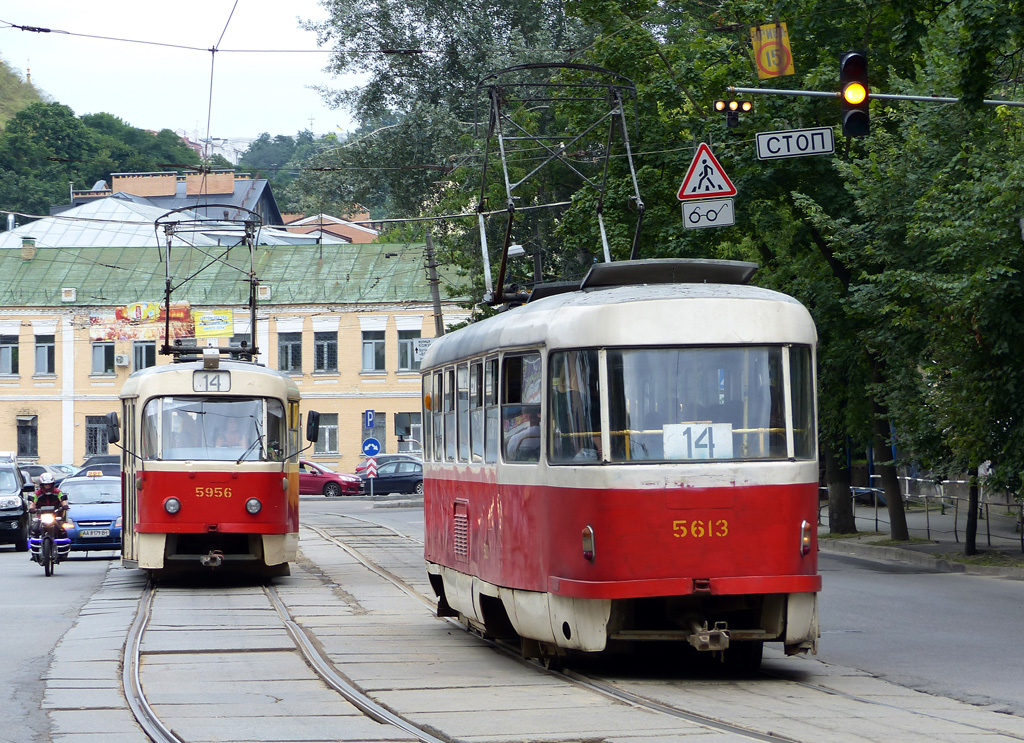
{"points": [[93, 521]]}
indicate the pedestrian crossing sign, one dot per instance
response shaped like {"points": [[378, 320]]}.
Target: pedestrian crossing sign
{"points": [[706, 179]]}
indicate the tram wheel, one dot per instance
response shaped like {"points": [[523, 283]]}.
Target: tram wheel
{"points": [[744, 657]]}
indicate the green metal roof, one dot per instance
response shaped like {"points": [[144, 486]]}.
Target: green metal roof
{"points": [[364, 273]]}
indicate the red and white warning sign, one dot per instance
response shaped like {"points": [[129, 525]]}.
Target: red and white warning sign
{"points": [[706, 179]]}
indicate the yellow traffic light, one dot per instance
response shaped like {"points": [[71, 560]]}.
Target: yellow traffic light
{"points": [[731, 110], [855, 94]]}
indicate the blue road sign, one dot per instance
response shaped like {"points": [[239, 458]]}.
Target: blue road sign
{"points": [[371, 447], [369, 419]]}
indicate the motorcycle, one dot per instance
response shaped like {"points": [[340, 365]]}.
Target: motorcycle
{"points": [[51, 545]]}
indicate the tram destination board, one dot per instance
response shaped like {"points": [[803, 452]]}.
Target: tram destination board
{"points": [[795, 143]]}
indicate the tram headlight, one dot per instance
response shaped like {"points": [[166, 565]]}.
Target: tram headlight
{"points": [[253, 506], [588, 543], [805, 538], [172, 505]]}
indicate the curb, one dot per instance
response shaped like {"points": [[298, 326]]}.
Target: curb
{"points": [[877, 552]]}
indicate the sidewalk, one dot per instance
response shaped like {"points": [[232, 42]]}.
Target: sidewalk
{"points": [[937, 535]]}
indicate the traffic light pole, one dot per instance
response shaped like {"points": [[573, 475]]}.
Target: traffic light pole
{"points": [[880, 96]]}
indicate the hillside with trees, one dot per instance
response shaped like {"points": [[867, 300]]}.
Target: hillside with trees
{"points": [[44, 147], [15, 93]]}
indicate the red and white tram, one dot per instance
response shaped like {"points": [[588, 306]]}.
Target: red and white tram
{"points": [[210, 466], [632, 459]]}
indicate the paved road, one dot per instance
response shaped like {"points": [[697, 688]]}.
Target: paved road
{"points": [[34, 612]]}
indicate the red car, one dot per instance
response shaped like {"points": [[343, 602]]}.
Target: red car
{"points": [[315, 479]]}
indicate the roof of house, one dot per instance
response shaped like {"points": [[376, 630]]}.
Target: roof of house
{"points": [[130, 221], [297, 274]]}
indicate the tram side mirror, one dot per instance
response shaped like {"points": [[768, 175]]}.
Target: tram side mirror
{"points": [[312, 426], [113, 428], [403, 424]]}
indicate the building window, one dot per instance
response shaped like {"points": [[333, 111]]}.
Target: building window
{"points": [[103, 358], [8, 354], [96, 433], [28, 436], [289, 352], [325, 351], [377, 432], [412, 442], [45, 358], [373, 350], [407, 360], [143, 354], [328, 441]]}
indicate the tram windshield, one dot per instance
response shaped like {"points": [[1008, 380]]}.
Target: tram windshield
{"points": [[213, 428], [682, 404]]}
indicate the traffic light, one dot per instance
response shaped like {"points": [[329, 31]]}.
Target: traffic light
{"points": [[854, 91], [732, 110]]}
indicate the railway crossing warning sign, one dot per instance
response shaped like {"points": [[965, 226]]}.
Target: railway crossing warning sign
{"points": [[706, 179]]}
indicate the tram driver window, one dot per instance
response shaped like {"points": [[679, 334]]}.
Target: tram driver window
{"points": [[520, 409], [684, 404]]}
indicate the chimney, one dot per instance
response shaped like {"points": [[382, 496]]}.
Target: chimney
{"points": [[28, 248]]}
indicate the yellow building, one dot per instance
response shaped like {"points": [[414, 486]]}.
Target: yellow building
{"points": [[343, 320]]}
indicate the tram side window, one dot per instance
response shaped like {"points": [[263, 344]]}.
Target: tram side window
{"points": [[462, 409], [476, 411], [449, 415], [696, 403], [520, 408], [574, 407], [428, 418], [436, 403], [276, 433], [491, 427], [801, 372]]}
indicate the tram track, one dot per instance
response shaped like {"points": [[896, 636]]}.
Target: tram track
{"points": [[159, 731], [615, 688]]}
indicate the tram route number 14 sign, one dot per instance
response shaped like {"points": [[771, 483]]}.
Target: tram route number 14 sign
{"points": [[708, 213]]}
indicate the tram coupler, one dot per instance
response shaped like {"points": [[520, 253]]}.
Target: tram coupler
{"points": [[704, 639], [213, 560]]}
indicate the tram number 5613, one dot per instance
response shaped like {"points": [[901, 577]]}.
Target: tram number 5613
{"points": [[700, 528]]}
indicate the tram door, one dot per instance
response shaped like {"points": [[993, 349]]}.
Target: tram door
{"points": [[129, 492]]}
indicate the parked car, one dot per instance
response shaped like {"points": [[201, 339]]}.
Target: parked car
{"points": [[35, 470], [93, 520], [315, 479], [14, 519], [396, 476], [385, 458]]}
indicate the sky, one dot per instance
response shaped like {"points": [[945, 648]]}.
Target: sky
{"points": [[158, 87]]}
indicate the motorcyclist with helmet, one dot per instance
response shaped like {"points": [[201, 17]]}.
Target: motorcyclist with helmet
{"points": [[47, 495]]}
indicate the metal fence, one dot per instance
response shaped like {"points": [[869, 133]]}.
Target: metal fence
{"points": [[938, 512]]}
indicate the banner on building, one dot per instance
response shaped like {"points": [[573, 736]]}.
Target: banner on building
{"points": [[214, 323], [142, 321]]}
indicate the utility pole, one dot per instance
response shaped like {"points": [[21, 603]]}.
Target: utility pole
{"points": [[435, 291]]}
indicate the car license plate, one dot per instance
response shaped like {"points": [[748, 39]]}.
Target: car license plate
{"points": [[94, 533]]}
